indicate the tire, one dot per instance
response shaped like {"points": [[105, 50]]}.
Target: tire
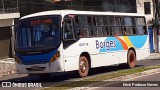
{"points": [[83, 66], [131, 59]]}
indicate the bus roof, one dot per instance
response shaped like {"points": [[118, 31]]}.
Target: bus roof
{"points": [[66, 12]]}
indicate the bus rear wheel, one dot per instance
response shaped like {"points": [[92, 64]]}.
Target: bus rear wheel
{"points": [[83, 66], [131, 59]]}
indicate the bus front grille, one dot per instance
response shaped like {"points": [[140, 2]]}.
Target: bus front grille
{"points": [[30, 62]]}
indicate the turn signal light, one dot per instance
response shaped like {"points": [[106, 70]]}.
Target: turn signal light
{"points": [[55, 57]]}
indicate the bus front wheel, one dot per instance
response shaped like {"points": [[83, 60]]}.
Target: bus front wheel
{"points": [[83, 66], [131, 59]]}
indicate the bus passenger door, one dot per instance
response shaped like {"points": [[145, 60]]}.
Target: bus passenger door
{"points": [[69, 45]]}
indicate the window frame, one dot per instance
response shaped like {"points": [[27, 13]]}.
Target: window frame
{"points": [[147, 8]]}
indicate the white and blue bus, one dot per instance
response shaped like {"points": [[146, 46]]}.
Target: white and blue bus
{"points": [[68, 40]]}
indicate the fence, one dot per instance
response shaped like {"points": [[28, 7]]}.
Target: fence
{"points": [[8, 10]]}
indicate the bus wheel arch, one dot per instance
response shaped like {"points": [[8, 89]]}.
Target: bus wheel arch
{"points": [[131, 58], [84, 64]]}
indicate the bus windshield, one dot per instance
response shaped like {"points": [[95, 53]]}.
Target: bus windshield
{"points": [[38, 33]]}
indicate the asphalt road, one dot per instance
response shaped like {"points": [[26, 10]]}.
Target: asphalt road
{"points": [[147, 82], [71, 76]]}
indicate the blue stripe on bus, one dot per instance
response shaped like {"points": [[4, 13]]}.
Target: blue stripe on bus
{"points": [[36, 59], [113, 44], [138, 41]]}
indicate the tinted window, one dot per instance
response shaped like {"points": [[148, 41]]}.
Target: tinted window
{"points": [[38, 34], [129, 26], [115, 26], [147, 7], [69, 29], [141, 26]]}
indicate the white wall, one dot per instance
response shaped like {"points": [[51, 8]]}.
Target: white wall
{"points": [[7, 19], [9, 15], [6, 22], [140, 10]]}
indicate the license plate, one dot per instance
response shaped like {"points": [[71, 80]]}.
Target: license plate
{"points": [[34, 68]]}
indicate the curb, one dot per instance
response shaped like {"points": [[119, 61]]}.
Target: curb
{"points": [[122, 78]]}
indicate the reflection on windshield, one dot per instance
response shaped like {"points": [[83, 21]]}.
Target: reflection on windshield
{"points": [[35, 35]]}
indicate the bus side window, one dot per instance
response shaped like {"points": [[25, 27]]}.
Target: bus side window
{"points": [[89, 26], [115, 26], [134, 31], [141, 26], [83, 26], [111, 31], [68, 29], [105, 31], [128, 26], [77, 26], [105, 27]]}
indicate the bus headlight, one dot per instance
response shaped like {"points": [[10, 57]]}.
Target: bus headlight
{"points": [[17, 60], [55, 57]]}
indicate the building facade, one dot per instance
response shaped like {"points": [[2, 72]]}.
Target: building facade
{"points": [[127, 6], [7, 16], [32, 6]]}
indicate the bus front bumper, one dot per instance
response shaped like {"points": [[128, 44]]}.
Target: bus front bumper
{"points": [[38, 68]]}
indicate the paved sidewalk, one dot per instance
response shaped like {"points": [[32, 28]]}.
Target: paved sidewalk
{"points": [[7, 66], [154, 56]]}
